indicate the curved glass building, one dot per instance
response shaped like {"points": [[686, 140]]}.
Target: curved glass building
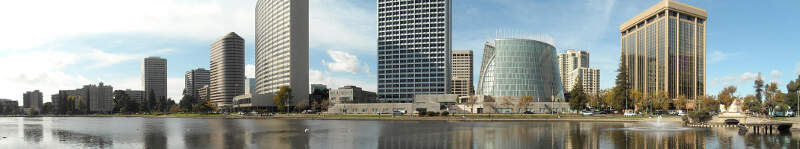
{"points": [[520, 67]]}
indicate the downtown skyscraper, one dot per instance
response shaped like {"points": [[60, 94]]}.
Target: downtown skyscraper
{"points": [[227, 69], [462, 63], [413, 48], [194, 80], [154, 77], [281, 48], [663, 49]]}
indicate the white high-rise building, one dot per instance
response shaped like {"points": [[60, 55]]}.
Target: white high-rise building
{"points": [[281, 49], [196, 79], [154, 77], [413, 48], [573, 66], [227, 70], [588, 78]]}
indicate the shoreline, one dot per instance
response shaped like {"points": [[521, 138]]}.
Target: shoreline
{"points": [[465, 118]]}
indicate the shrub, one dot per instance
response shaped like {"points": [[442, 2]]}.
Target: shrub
{"points": [[445, 113], [422, 114], [701, 115], [431, 113]]}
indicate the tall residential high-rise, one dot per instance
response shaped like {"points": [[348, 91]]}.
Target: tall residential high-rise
{"points": [[413, 48], [195, 79], [663, 49], [569, 61], [100, 97], [587, 78], [154, 77], [282, 48], [32, 99], [462, 72], [573, 66], [520, 67], [227, 69]]}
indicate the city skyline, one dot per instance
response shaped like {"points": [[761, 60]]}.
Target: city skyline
{"points": [[107, 54]]}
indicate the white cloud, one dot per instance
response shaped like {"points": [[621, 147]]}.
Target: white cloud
{"points": [[250, 71], [342, 25], [175, 88], [344, 62], [724, 81], [318, 77], [775, 74], [202, 20], [46, 71], [749, 77], [718, 56]]}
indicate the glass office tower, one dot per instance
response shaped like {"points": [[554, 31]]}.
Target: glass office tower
{"points": [[663, 49]]}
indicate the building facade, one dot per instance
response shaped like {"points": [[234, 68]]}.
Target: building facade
{"points": [[32, 99], [414, 48], [100, 97], [351, 94], [520, 67], [663, 49], [462, 63], [587, 78], [154, 77], [282, 48], [195, 79], [135, 95], [227, 70], [569, 61], [204, 94]]}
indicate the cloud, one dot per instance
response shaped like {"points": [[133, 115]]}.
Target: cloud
{"points": [[342, 24], [318, 77], [718, 56], [345, 62], [175, 88], [198, 20], [749, 77], [775, 74], [724, 81], [250, 71], [46, 70]]}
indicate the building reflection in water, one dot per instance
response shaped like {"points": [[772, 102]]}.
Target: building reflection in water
{"points": [[83, 140], [33, 130]]}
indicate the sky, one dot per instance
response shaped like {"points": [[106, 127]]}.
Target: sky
{"points": [[52, 45]]}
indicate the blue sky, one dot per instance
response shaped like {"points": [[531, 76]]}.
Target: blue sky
{"points": [[64, 45]]}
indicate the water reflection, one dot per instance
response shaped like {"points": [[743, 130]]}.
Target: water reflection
{"points": [[79, 132]]}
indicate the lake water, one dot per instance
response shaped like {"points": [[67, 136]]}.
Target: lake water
{"points": [[124, 132]]}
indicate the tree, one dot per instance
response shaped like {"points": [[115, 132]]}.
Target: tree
{"points": [[524, 102], [622, 87], [752, 104], [638, 99], [577, 99], [301, 105], [471, 102], [662, 100], [773, 95], [281, 98], [726, 96], [507, 104], [187, 102], [759, 85], [680, 103], [47, 108]]}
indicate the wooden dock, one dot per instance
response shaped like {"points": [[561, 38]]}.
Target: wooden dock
{"points": [[766, 127]]}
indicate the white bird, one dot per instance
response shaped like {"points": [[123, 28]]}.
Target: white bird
{"points": [[306, 131]]}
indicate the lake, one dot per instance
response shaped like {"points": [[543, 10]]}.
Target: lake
{"points": [[135, 132]]}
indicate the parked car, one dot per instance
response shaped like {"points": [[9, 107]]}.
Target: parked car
{"points": [[630, 114], [399, 112], [681, 113], [309, 112], [586, 113], [528, 112]]}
